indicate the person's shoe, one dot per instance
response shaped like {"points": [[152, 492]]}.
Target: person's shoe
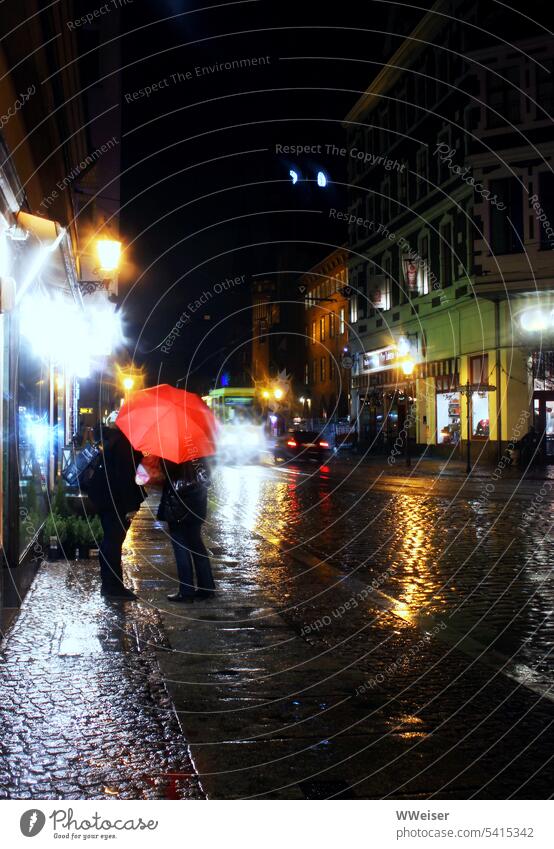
{"points": [[204, 595], [122, 593], [183, 599]]}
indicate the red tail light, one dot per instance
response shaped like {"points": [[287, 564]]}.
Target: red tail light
{"points": [[292, 443], [323, 444]]}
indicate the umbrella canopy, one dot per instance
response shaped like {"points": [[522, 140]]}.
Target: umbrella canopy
{"points": [[168, 423]]}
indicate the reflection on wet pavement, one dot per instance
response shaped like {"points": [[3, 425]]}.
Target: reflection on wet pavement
{"points": [[329, 664], [450, 557]]}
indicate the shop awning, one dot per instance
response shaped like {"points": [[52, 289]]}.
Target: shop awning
{"points": [[53, 257]]}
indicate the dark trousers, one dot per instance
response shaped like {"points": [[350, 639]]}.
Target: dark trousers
{"points": [[188, 546], [115, 529]]}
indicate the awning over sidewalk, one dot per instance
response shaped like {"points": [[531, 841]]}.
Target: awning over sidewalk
{"points": [[53, 258]]}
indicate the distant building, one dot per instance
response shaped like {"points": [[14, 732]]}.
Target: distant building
{"points": [[326, 391], [277, 344]]}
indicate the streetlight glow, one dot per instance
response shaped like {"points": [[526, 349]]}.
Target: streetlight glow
{"points": [[128, 383], [278, 394], [109, 254], [408, 367]]}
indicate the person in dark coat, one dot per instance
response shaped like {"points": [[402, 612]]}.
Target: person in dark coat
{"points": [[116, 497], [184, 506]]}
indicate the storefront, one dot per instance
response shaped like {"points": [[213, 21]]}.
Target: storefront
{"points": [[541, 376], [385, 395]]}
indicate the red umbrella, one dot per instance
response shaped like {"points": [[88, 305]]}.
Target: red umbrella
{"points": [[168, 423]]}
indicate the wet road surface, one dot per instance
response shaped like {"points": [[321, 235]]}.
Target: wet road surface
{"points": [[373, 636]]}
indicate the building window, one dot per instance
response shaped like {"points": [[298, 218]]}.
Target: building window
{"points": [[322, 329], [448, 418], [322, 369], [354, 309], [385, 200], [479, 375], [480, 424], [307, 374], [546, 200], [314, 372], [422, 172], [506, 225], [314, 340], [545, 88], [332, 325], [424, 272], [479, 369], [342, 325], [403, 187], [446, 254], [504, 98]]}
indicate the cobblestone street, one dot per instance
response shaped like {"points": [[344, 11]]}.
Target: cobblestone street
{"points": [[373, 636]]}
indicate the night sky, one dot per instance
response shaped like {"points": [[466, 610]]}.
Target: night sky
{"points": [[205, 194]]}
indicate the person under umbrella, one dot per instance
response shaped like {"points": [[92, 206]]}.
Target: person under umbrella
{"points": [[184, 505], [117, 498], [179, 428]]}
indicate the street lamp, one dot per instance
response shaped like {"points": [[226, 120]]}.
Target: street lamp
{"points": [[278, 394], [109, 254], [128, 383]]}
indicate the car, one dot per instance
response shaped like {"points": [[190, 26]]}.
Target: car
{"points": [[301, 445]]}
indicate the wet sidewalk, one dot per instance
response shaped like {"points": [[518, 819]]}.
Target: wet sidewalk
{"points": [[84, 713]]}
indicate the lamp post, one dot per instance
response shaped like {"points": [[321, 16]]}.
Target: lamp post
{"points": [[408, 369]]}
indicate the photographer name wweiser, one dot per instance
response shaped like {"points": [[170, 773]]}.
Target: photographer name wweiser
{"points": [[422, 815]]}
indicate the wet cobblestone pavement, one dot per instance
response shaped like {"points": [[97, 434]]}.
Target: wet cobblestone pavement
{"points": [[84, 713], [299, 680]]}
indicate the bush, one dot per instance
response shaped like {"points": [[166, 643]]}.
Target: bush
{"points": [[59, 501], [55, 526], [87, 533], [73, 531], [97, 530]]}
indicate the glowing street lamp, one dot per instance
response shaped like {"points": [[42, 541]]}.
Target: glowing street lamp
{"points": [[265, 394], [408, 366], [278, 394], [128, 383], [109, 254]]}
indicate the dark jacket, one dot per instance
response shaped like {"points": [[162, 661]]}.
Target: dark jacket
{"points": [[185, 494], [113, 485]]}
